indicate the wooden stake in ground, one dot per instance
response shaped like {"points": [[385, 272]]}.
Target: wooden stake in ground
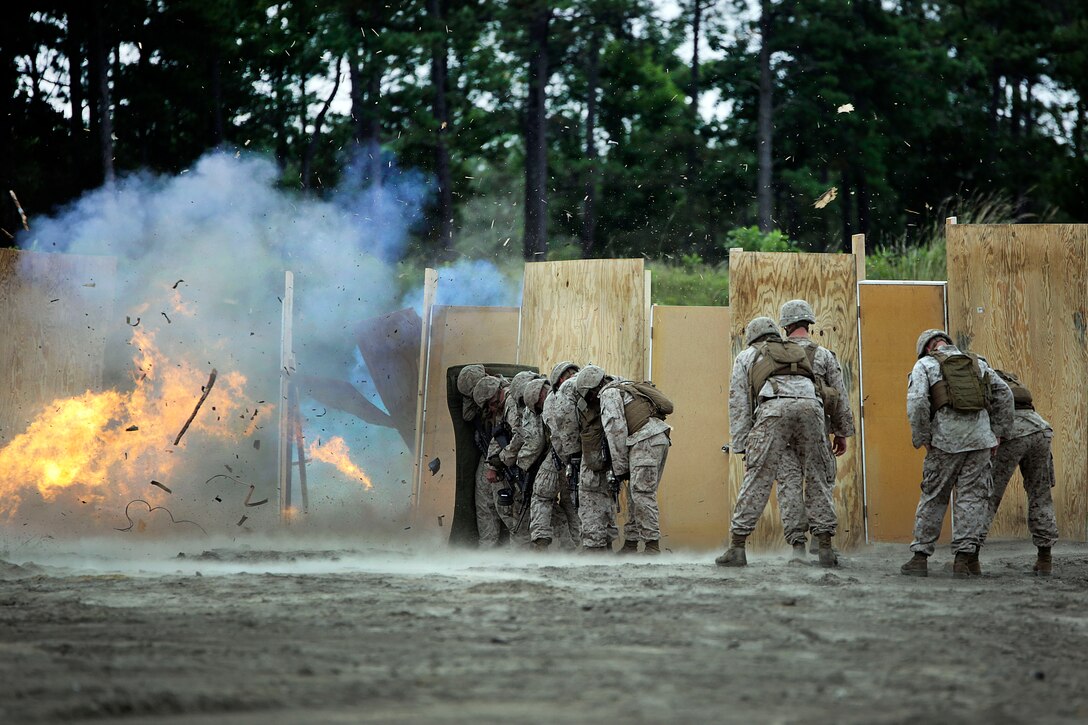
{"points": [[207, 389]]}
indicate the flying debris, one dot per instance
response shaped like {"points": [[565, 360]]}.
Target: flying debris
{"points": [[846, 108], [827, 197]]}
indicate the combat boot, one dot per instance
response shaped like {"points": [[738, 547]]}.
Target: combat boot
{"points": [[595, 549], [973, 566], [652, 547], [541, 544], [629, 547], [961, 567], [1043, 562], [734, 555], [827, 554], [800, 556], [917, 566]]}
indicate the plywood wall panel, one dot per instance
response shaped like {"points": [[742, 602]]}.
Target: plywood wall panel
{"points": [[54, 311], [758, 285], [1018, 294], [459, 335], [891, 317], [691, 363], [590, 311]]}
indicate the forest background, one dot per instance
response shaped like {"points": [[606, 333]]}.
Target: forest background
{"points": [[556, 129]]}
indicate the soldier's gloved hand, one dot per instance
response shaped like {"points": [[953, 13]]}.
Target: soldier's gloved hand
{"points": [[838, 446], [492, 475]]}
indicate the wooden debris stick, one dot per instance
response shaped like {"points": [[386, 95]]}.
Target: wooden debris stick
{"points": [[287, 369], [249, 495], [203, 397], [163, 486], [19, 208]]}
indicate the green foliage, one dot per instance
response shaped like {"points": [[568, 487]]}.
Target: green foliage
{"points": [[689, 284], [751, 239]]}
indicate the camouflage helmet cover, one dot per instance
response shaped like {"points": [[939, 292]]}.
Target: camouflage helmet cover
{"points": [[796, 311], [759, 327], [926, 337], [588, 378], [485, 390], [468, 377], [559, 369], [531, 393], [518, 383]]}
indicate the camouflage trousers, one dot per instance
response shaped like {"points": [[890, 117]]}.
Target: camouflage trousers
{"points": [[491, 518], [1036, 461], [969, 474], [646, 460], [794, 425], [805, 504], [552, 513], [596, 509]]}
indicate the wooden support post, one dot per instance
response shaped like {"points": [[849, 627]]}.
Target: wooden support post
{"points": [[857, 245], [300, 445], [287, 368], [950, 220], [430, 290], [648, 363]]}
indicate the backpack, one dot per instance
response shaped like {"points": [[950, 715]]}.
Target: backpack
{"points": [[779, 357], [649, 402], [961, 386], [1021, 396]]}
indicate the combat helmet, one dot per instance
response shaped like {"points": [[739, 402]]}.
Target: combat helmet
{"points": [[485, 390], [588, 378], [760, 327], [926, 337], [519, 381], [559, 369], [796, 311], [468, 377], [531, 392]]}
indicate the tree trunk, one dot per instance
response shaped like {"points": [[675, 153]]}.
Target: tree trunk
{"points": [[101, 82], [536, 142], [218, 127], [862, 188], [589, 204], [1078, 128], [280, 113], [311, 147], [765, 124], [693, 94], [73, 47], [845, 184], [440, 78], [9, 77]]}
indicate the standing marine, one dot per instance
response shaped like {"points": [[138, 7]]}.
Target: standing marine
{"points": [[774, 406], [959, 409]]}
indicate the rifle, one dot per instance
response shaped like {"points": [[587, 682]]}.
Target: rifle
{"points": [[574, 468]]}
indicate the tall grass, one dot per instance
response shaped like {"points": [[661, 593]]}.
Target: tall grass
{"points": [[920, 253]]}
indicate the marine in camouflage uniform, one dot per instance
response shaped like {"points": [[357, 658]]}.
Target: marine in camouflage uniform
{"points": [[1028, 445], [786, 413], [488, 524], [959, 446], [596, 497], [554, 514], [805, 504], [492, 515], [638, 456]]}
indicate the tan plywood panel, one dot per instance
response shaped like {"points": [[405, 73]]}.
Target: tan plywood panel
{"points": [[691, 364], [893, 468], [759, 282], [1018, 294], [459, 335], [589, 310], [54, 310]]}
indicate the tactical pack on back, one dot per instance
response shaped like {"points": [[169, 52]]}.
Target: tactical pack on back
{"points": [[961, 386], [649, 402], [1021, 396], [778, 357]]}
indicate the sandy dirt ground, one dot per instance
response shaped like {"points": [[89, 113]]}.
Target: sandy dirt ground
{"points": [[287, 631]]}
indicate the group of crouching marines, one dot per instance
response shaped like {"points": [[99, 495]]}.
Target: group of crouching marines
{"points": [[559, 452]]}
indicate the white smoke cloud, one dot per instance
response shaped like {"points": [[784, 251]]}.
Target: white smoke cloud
{"points": [[219, 238]]}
